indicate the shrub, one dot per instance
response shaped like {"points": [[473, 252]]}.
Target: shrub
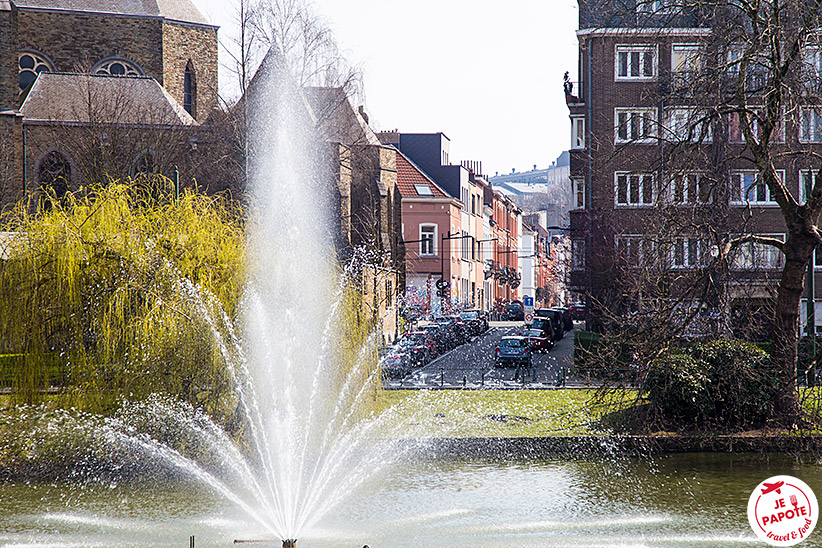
{"points": [[742, 383], [677, 389], [724, 383]]}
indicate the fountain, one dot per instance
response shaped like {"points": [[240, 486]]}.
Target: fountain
{"points": [[312, 446]]}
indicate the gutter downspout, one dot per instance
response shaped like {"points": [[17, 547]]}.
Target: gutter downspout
{"points": [[25, 163], [589, 238]]}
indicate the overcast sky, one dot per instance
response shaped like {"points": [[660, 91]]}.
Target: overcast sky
{"points": [[487, 74]]}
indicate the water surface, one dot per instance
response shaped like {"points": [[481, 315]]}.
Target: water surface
{"points": [[666, 501]]}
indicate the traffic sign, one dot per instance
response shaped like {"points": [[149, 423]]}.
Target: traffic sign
{"points": [[529, 317], [528, 301]]}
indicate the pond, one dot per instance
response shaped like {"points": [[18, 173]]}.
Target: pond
{"points": [[663, 501]]}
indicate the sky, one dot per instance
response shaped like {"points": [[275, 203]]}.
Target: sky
{"points": [[488, 77]]}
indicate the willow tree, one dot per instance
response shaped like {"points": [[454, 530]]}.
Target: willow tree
{"points": [[125, 291]]}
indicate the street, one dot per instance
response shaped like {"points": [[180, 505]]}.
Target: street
{"points": [[472, 365]]}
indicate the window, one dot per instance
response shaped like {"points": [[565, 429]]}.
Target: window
{"points": [[577, 254], [757, 76], [656, 7], [465, 245], [736, 135], [54, 174], [634, 189], [688, 253], [144, 164], [579, 192], [117, 66], [635, 62], [634, 125], [690, 187], [428, 240], [806, 177], [189, 89], [810, 124], [813, 68], [688, 124], [686, 61], [577, 132], [754, 255], [635, 250], [746, 188], [423, 190], [29, 65]]}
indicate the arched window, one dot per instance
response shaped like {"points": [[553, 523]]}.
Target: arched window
{"points": [[54, 173], [30, 64], [144, 164], [117, 66], [189, 89]]}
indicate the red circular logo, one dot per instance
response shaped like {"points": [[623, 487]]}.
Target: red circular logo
{"points": [[782, 511]]}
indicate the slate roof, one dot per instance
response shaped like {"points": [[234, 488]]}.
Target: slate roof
{"points": [[336, 118], [408, 175], [175, 10], [58, 97]]}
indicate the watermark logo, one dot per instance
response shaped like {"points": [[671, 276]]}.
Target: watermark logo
{"points": [[782, 511]]}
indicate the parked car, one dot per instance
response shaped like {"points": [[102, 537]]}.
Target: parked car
{"points": [[543, 324], [419, 346], [555, 317], [439, 335], [513, 350], [455, 335], [567, 319], [476, 321], [513, 312], [578, 311], [396, 363], [539, 340]]}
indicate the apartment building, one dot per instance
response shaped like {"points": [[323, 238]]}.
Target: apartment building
{"points": [[462, 239], [660, 171]]}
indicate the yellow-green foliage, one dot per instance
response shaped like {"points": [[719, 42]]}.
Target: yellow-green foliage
{"points": [[126, 287]]}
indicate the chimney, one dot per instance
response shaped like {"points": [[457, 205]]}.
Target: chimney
{"points": [[361, 110]]}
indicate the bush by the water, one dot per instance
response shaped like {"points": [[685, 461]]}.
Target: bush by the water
{"points": [[724, 383]]}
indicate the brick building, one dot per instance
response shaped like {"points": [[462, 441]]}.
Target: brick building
{"points": [[661, 174], [151, 66]]}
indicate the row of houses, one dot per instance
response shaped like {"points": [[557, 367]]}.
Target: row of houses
{"points": [[100, 90]]}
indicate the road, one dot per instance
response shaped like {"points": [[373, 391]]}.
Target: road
{"points": [[472, 365]]}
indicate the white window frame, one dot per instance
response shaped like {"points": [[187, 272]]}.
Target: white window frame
{"points": [[656, 7], [688, 124], [778, 135], [579, 192], [687, 252], [810, 124], [422, 238], [577, 132], [636, 183], [803, 177], [687, 188], [684, 74], [635, 250], [812, 60], [738, 186], [641, 51], [639, 125], [577, 254], [757, 256]]}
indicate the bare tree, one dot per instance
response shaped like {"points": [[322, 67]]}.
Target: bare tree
{"points": [[740, 108]]}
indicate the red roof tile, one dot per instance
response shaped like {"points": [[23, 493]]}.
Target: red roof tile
{"points": [[409, 175]]}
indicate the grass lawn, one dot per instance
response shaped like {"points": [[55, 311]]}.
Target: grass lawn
{"points": [[493, 413]]}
